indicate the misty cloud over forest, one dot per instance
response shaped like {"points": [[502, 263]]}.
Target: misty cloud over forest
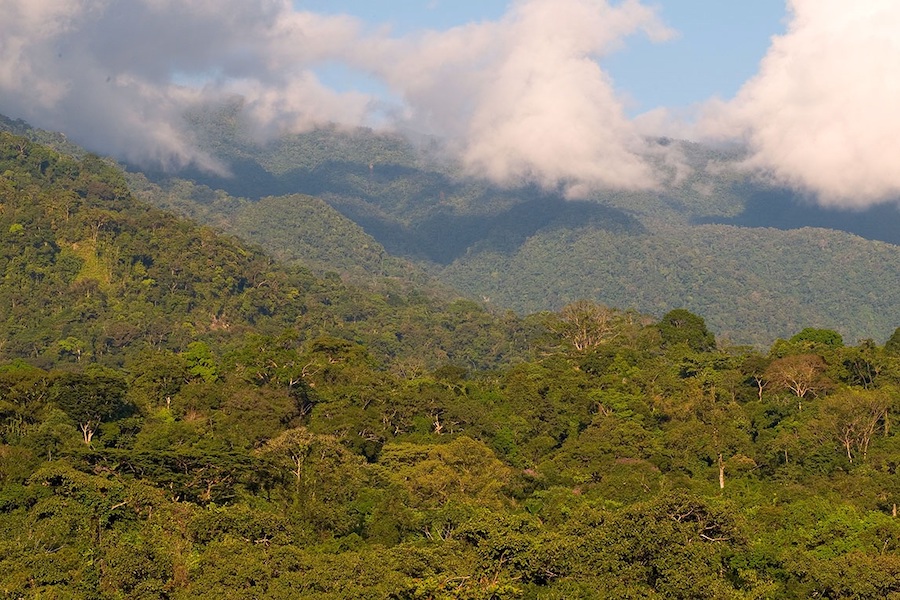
{"points": [[520, 98]]}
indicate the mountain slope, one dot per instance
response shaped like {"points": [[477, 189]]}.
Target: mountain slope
{"points": [[752, 284], [87, 270], [298, 229], [86, 266]]}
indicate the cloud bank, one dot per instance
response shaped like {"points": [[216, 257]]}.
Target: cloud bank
{"points": [[822, 113], [521, 98], [112, 73], [524, 98]]}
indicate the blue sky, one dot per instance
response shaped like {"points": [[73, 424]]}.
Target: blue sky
{"points": [[718, 44]]}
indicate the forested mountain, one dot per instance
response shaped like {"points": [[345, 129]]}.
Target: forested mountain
{"points": [[89, 271], [181, 416], [759, 279], [743, 277], [294, 229]]}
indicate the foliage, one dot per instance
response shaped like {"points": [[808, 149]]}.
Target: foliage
{"points": [[236, 429], [679, 326], [815, 337], [95, 275], [734, 277]]}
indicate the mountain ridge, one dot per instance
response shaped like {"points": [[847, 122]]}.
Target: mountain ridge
{"points": [[88, 270], [445, 223], [402, 210]]}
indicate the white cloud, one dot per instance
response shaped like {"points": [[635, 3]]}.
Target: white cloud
{"points": [[524, 98], [521, 98], [104, 71], [821, 115]]}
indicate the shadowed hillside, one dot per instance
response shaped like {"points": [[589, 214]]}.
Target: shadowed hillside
{"points": [[783, 209]]}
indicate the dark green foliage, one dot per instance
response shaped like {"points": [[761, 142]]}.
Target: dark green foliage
{"points": [[892, 346], [680, 326], [818, 337], [733, 277], [90, 398]]}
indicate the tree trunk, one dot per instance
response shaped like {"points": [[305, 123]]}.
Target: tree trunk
{"points": [[721, 472], [87, 431]]}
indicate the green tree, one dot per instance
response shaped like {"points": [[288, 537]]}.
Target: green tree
{"points": [[463, 470], [90, 397], [681, 326], [156, 377], [854, 417], [818, 337], [200, 361], [324, 477], [892, 346]]}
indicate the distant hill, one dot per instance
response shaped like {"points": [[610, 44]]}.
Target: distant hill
{"points": [[296, 229], [750, 283], [781, 209]]}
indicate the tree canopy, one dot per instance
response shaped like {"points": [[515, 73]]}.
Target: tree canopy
{"points": [[181, 416]]}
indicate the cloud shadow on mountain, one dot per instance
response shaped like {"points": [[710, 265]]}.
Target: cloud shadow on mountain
{"points": [[781, 208]]}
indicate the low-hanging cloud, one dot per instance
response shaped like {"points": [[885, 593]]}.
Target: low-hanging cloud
{"points": [[520, 99], [119, 75], [524, 98], [821, 115]]}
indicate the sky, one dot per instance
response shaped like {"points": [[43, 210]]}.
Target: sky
{"points": [[567, 94], [716, 46]]}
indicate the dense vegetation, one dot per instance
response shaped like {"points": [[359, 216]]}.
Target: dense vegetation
{"points": [[295, 229], [182, 417], [88, 271], [742, 277], [760, 278]]}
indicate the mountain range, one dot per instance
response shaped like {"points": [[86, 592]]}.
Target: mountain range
{"points": [[757, 260]]}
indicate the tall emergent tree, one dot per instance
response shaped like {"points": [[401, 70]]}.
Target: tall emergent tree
{"points": [[90, 398]]}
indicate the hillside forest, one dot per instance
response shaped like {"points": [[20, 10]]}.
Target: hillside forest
{"points": [[182, 415], [759, 262]]}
